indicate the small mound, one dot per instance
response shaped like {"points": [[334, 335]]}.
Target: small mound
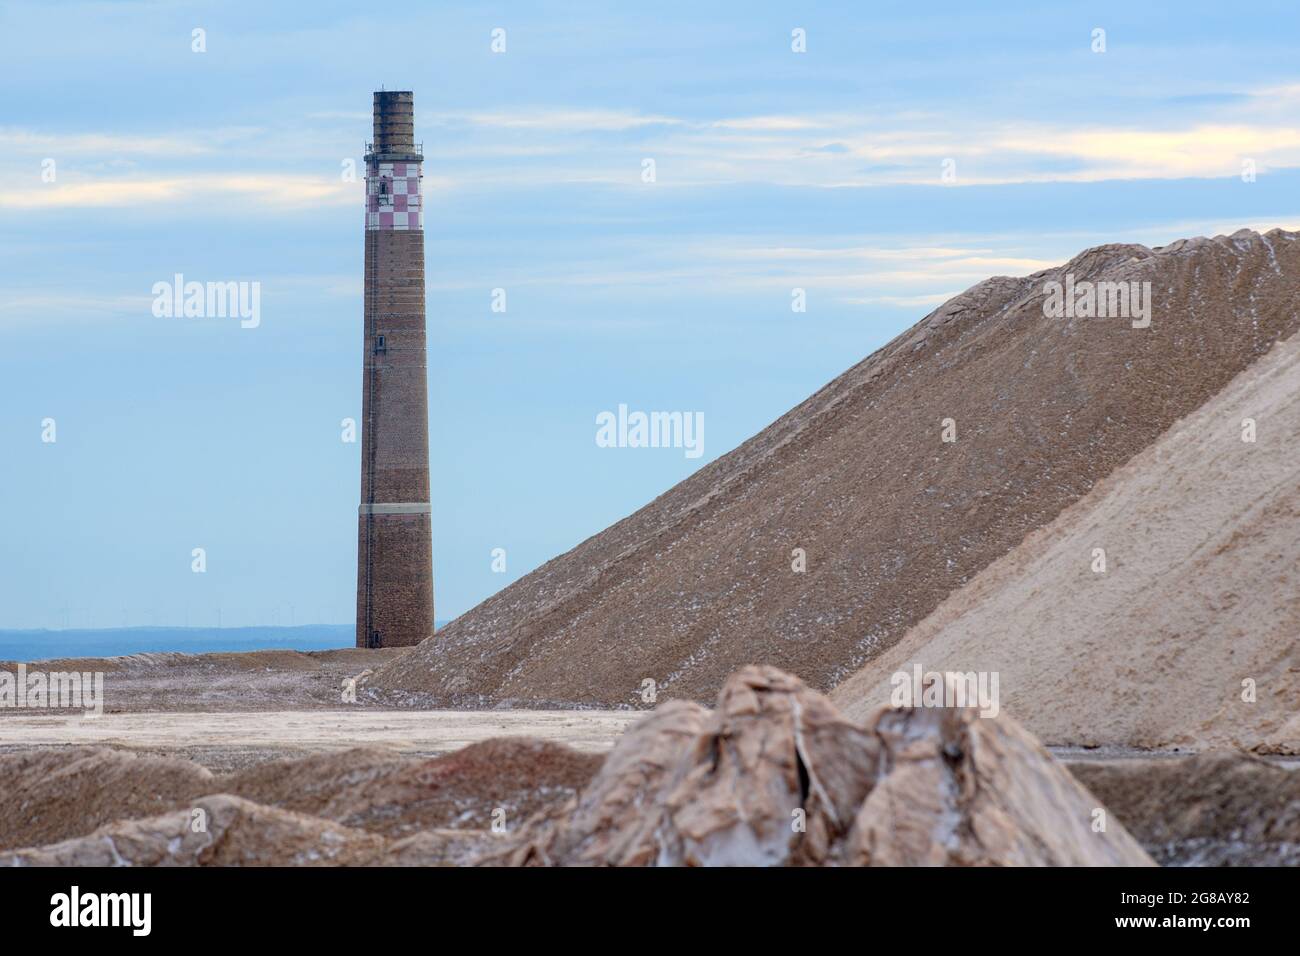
{"points": [[500, 781], [52, 795], [1213, 809], [65, 793], [234, 832]]}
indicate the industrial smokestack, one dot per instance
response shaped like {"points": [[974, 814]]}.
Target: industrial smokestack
{"points": [[394, 117], [395, 541]]}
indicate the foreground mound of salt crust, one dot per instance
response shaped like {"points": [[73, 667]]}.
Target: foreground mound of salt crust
{"points": [[1191, 636], [776, 776], [890, 519]]}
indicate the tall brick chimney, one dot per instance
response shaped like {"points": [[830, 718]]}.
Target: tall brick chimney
{"points": [[395, 541]]}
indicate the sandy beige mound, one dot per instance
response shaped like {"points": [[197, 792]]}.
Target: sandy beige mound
{"points": [[887, 517], [775, 776], [1215, 809], [1191, 635], [51, 795], [222, 830], [500, 781]]}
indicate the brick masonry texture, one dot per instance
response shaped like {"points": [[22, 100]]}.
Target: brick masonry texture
{"points": [[394, 551]]}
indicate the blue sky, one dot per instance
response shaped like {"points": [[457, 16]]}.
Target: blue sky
{"points": [[775, 170]]}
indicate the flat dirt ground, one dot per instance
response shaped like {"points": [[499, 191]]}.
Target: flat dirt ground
{"points": [[231, 711], [224, 742]]}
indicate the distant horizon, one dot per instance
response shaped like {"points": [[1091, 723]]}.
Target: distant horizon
{"points": [[188, 627], [24, 645]]}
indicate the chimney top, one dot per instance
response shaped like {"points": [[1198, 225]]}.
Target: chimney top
{"points": [[394, 117]]}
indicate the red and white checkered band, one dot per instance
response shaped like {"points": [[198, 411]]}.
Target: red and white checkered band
{"points": [[393, 196]]}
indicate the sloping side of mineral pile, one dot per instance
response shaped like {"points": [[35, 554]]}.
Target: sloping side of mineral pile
{"points": [[1188, 635], [889, 518]]}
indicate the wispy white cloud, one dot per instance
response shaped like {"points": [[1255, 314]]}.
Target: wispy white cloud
{"points": [[924, 301], [780, 124], [544, 147], [580, 121], [14, 140], [38, 307], [267, 190]]}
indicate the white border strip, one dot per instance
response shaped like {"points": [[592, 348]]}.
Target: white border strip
{"points": [[396, 508]]}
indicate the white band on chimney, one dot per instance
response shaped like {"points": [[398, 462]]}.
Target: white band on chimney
{"points": [[396, 508]]}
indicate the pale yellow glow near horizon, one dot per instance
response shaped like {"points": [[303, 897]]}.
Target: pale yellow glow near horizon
{"points": [[279, 191]]}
